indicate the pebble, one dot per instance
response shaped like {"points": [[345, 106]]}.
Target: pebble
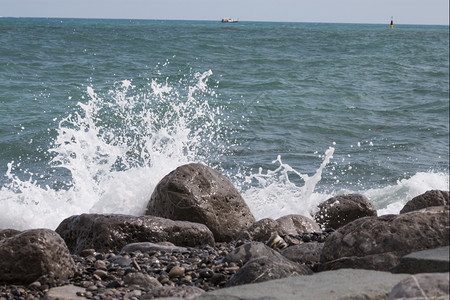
{"points": [[176, 271]]}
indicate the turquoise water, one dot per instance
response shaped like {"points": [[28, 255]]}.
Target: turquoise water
{"points": [[95, 112]]}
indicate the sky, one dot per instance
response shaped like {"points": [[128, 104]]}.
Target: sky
{"points": [[432, 12]]}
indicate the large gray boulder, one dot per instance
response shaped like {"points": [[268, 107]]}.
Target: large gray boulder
{"points": [[422, 286], [340, 210], [428, 199], [113, 232], [197, 193], [379, 242], [35, 255], [331, 285]]}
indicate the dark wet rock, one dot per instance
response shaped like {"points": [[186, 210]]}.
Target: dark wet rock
{"points": [[267, 268], [290, 225], [307, 253], [113, 232], [6, 233], [185, 292], [422, 286], [260, 231], [36, 254], [379, 242], [197, 193], [143, 280], [425, 261], [428, 199], [297, 224], [250, 251], [147, 247], [340, 210]]}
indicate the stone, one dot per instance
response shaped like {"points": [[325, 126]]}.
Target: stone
{"points": [[330, 285], [378, 243], [422, 286], [250, 250], [147, 247], [176, 271], [185, 292], [121, 261], [428, 199], [112, 232], [36, 254], [425, 261], [297, 225], [266, 268], [143, 280], [307, 253], [340, 210], [197, 193], [260, 231], [66, 292]]}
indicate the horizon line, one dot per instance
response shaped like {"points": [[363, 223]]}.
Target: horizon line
{"points": [[217, 20]]}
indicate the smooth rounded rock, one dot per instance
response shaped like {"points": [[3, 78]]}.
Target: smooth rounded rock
{"points": [[112, 232], [340, 210], [36, 254], [427, 199], [197, 193]]}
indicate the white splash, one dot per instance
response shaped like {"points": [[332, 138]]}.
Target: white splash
{"points": [[117, 146], [273, 195]]}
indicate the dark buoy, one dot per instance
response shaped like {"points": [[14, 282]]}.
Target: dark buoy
{"points": [[392, 23]]}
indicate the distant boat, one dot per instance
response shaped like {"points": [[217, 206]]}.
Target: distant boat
{"points": [[229, 20]]}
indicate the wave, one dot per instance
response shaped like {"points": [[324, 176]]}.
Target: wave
{"points": [[117, 145]]}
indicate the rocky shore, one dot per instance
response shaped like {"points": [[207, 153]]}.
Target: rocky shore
{"points": [[198, 237]]}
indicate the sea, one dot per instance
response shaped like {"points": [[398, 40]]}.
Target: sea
{"points": [[95, 112]]}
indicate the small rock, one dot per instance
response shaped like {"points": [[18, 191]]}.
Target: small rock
{"points": [[206, 273], [176, 271], [87, 252], [91, 288], [142, 280], [185, 292], [101, 273], [100, 264]]}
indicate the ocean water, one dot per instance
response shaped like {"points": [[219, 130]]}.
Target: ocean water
{"points": [[93, 113]]}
